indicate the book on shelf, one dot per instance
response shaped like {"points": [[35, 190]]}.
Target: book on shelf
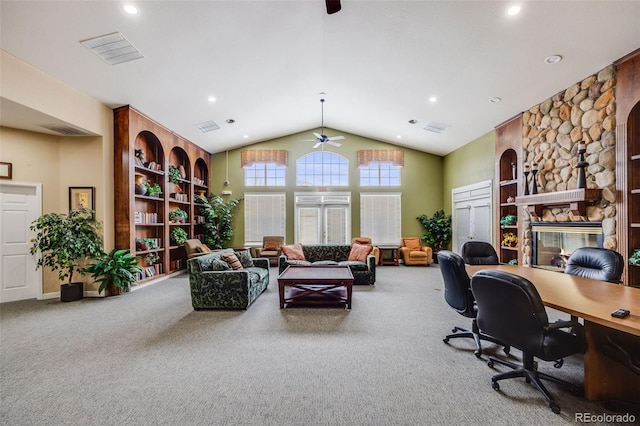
{"points": [[145, 217]]}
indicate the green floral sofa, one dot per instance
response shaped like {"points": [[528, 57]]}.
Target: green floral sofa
{"points": [[214, 285], [363, 273]]}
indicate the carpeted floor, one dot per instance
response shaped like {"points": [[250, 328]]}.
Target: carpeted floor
{"points": [[147, 358]]}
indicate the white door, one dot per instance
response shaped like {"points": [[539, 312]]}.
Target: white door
{"points": [[20, 204], [472, 218], [322, 218]]}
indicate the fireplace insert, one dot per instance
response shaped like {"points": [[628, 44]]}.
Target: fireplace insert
{"points": [[552, 242]]}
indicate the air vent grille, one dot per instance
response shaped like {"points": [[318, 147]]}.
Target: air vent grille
{"points": [[207, 126], [436, 127], [66, 130], [113, 48]]}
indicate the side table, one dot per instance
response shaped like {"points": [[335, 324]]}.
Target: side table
{"points": [[394, 258]]}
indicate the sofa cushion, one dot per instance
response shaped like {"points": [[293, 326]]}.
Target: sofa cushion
{"points": [[293, 252], [354, 265], [257, 274], [299, 262], [244, 256], [412, 243], [219, 265], [360, 252], [325, 262], [232, 260]]}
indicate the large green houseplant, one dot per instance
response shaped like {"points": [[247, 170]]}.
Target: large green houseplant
{"points": [[115, 271], [64, 240], [437, 231], [218, 219]]}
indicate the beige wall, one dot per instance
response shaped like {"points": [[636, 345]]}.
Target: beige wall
{"points": [[421, 180], [58, 162]]}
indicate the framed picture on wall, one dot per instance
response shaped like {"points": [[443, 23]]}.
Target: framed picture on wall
{"points": [[5, 170], [81, 197]]}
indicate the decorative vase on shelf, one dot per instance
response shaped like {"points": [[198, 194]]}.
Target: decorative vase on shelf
{"points": [[514, 171], [140, 187]]}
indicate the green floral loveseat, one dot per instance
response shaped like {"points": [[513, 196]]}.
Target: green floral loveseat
{"points": [[214, 285], [363, 273]]}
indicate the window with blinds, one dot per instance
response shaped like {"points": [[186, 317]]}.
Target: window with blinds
{"points": [[264, 214], [380, 217]]}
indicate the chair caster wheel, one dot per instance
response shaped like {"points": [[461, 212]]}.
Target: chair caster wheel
{"points": [[507, 349], [555, 408], [559, 363], [446, 340], [490, 364], [454, 330], [495, 385]]}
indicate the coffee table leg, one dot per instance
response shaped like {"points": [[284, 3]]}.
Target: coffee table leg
{"points": [[281, 292], [349, 291]]}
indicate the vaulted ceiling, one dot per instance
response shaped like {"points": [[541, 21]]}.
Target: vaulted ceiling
{"points": [[268, 63]]}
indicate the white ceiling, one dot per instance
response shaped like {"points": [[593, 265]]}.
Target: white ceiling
{"points": [[378, 62]]}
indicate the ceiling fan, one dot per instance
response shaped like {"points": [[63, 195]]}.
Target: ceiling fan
{"points": [[321, 138], [333, 6]]}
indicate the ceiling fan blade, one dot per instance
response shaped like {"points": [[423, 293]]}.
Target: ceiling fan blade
{"points": [[334, 143], [336, 138], [317, 145], [318, 136], [333, 6], [309, 140]]}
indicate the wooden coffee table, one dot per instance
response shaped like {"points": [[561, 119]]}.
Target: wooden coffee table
{"points": [[315, 285]]}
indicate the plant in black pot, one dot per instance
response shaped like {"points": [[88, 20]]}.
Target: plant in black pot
{"points": [[437, 230], [178, 215], [115, 271], [64, 241]]}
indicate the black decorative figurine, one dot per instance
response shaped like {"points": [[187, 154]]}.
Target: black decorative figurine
{"points": [[526, 179], [534, 184], [582, 178]]}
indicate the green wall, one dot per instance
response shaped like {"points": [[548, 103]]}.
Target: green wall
{"points": [[422, 180]]}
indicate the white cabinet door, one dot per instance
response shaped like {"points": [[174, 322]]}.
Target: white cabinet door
{"points": [[472, 214]]}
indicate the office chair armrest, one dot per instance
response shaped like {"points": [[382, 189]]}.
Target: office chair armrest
{"points": [[561, 324]]}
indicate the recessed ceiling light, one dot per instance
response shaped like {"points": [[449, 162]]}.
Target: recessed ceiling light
{"points": [[513, 10], [230, 120], [552, 59], [399, 137], [246, 136], [212, 98], [495, 100], [433, 99], [130, 9]]}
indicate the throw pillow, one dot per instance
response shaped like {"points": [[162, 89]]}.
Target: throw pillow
{"points": [[271, 246], [219, 265], [232, 260], [293, 252], [363, 241], [412, 243], [244, 256], [204, 249], [360, 252]]}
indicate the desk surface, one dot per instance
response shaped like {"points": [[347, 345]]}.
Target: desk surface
{"points": [[585, 298]]}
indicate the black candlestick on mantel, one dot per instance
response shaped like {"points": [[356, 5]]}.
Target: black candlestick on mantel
{"points": [[534, 184], [582, 178], [526, 182]]}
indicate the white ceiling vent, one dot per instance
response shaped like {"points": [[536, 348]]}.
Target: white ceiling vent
{"points": [[207, 126], [66, 130], [113, 48], [436, 127]]}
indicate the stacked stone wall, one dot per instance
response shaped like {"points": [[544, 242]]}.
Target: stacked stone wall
{"points": [[551, 132]]}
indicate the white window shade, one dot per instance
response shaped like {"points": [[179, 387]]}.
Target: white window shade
{"points": [[264, 214], [380, 217]]}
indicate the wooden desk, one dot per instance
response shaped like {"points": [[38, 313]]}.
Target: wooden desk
{"points": [[593, 301]]}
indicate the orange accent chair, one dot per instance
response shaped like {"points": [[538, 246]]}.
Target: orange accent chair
{"points": [[195, 248], [366, 240], [412, 252], [270, 248]]}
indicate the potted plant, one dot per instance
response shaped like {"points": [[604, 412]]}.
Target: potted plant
{"points": [[115, 271], [152, 258], [174, 175], [438, 231], [218, 219], [153, 189], [143, 244], [179, 236], [63, 241], [509, 240], [508, 220], [178, 215], [634, 259]]}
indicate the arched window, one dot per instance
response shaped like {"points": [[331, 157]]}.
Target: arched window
{"points": [[322, 168]]}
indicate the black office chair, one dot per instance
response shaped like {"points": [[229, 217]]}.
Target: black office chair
{"points": [[479, 253], [510, 309], [457, 293], [625, 349], [596, 263]]}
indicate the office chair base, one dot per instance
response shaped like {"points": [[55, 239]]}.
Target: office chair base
{"points": [[533, 377], [476, 336]]}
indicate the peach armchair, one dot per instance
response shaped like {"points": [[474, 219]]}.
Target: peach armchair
{"points": [[412, 252], [270, 248], [366, 240]]}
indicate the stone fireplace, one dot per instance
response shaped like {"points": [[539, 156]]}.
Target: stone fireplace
{"points": [[553, 243]]}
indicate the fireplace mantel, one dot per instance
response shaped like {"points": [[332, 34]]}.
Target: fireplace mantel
{"points": [[575, 198]]}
